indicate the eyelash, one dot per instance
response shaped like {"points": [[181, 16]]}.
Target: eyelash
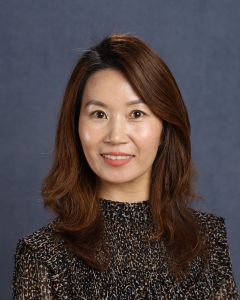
{"points": [[94, 114], [138, 111]]}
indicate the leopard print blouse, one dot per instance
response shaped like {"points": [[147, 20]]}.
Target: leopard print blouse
{"points": [[137, 269]]}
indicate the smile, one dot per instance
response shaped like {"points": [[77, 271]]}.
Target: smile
{"points": [[118, 157]]}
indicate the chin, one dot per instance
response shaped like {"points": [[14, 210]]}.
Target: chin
{"points": [[115, 180]]}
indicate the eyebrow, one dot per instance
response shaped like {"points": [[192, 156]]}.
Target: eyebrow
{"points": [[99, 103], [132, 102], [95, 102]]}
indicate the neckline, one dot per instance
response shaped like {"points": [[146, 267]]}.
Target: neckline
{"points": [[114, 202], [116, 211]]}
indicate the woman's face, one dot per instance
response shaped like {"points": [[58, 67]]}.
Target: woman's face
{"points": [[120, 135]]}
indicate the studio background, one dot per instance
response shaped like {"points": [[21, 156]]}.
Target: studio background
{"points": [[39, 43]]}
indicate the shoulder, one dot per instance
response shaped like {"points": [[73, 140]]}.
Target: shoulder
{"points": [[215, 235], [41, 245], [42, 238], [212, 224], [220, 265], [208, 218]]}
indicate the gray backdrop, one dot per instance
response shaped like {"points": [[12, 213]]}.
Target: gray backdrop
{"points": [[39, 44]]}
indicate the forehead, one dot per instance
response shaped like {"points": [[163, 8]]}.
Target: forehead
{"points": [[108, 73], [108, 83]]}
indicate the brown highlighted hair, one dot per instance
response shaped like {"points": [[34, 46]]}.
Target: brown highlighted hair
{"points": [[70, 189]]}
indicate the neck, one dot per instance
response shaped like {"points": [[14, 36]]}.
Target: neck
{"points": [[123, 192]]}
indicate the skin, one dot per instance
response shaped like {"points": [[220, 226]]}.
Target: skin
{"points": [[115, 121]]}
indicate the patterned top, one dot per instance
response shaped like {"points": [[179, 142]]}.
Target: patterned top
{"points": [[137, 269]]}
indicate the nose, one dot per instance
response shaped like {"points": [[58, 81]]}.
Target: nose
{"points": [[117, 131]]}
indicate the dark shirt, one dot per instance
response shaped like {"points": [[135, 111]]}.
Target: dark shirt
{"points": [[45, 269]]}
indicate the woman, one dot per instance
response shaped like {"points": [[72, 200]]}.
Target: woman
{"points": [[120, 187]]}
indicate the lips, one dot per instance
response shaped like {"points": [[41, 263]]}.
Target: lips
{"points": [[117, 159]]}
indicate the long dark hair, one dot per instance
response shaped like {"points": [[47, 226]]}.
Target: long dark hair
{"points": [[70, 189]]}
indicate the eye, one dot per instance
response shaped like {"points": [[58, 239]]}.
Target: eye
{"points": [[137, 114], [99, 114]]}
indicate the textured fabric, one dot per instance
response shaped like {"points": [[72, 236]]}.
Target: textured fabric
{"points": [[45, 269]]}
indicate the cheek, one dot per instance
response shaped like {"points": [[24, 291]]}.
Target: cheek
{"points": [[86, 135], [150, 135], [88, 144]]}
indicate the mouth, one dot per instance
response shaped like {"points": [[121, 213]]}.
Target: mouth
{"points": [[117, 157]]}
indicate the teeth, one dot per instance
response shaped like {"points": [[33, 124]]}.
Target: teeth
{"points": [[116, 157]]}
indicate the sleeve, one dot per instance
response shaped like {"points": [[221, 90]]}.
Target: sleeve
{"points": [[224, 286], [31, 277]]}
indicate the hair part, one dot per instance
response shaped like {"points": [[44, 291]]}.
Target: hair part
{"points": [[70, 190]]}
